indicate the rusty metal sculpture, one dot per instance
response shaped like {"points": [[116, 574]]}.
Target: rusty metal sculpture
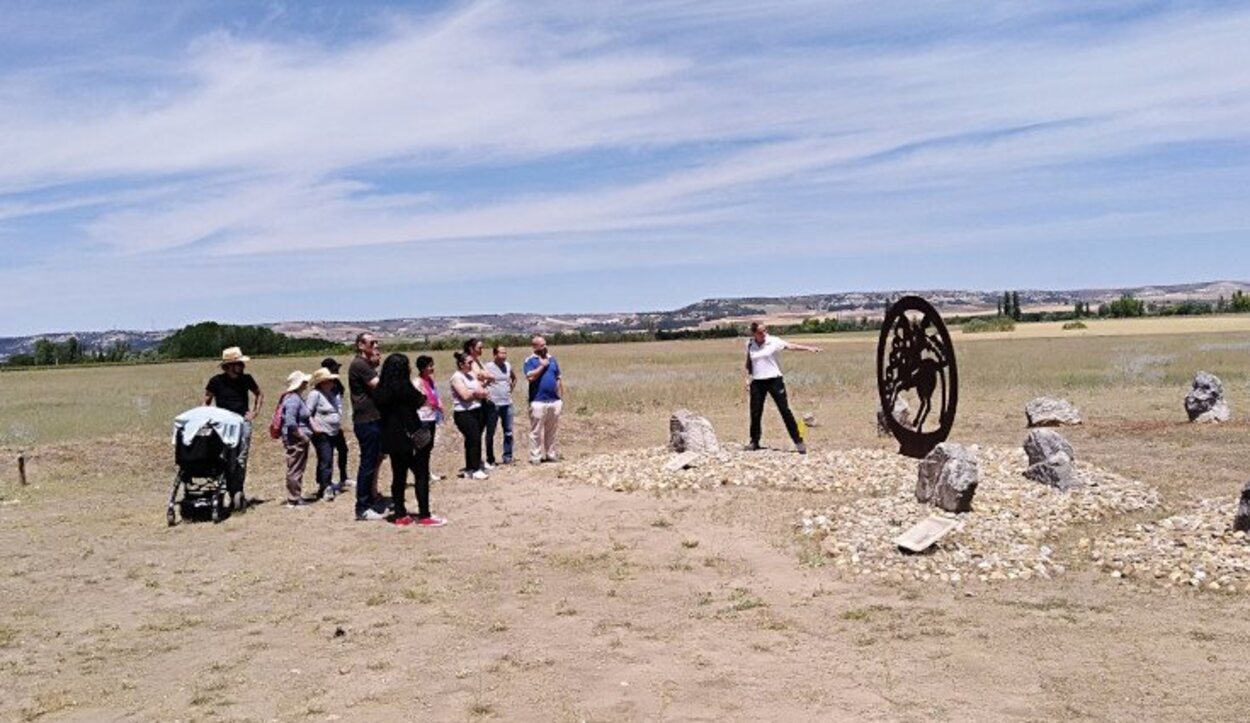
{"points": [[915, 357]]}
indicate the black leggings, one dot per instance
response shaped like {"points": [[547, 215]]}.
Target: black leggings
{"points": [[418, 463], [340, 446], [775, 388], [470, 425]]}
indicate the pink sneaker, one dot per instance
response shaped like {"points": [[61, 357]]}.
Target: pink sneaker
{"points": [[431, 521], [403, 521]]}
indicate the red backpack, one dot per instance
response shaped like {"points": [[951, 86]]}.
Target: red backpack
{"points": [[275, 424]]}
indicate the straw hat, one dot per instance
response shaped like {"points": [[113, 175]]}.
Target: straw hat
{"points": [[295, 380], [233, 355], [322, 375]]}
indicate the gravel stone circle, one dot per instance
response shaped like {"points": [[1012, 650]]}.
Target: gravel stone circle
{"points": [[1015, 530]]}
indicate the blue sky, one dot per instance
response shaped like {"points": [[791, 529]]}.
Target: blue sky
{"points": [[163, 163]]}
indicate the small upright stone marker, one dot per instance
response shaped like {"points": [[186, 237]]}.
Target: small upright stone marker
{"points": [[1051, 412], [1241, 523], [1050, 460], [948, 477], [902, 413], [1205, 402], [688, 432]]}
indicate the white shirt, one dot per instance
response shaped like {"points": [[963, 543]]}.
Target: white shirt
{"points": [[764, 363], [501, 388], [470, 383]]}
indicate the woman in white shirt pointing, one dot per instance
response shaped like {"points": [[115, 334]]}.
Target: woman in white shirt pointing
{"points": [[764, 380]]}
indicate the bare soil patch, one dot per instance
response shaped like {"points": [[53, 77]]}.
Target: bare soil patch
{"points": [[548, 598]]}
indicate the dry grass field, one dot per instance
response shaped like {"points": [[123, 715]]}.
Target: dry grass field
{"points": [[545, 599]]}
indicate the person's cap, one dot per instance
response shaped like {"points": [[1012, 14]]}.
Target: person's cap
{"points": [[295, 380], [331, 364], [322, 375], [233, 355]]}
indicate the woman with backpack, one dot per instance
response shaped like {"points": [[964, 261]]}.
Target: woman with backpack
{"points": [[405, 439], [296, 434], [325, 403]]}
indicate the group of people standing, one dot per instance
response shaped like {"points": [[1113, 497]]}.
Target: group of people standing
{"points": [[395, 413]]}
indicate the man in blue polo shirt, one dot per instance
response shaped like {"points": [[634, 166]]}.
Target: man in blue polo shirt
{"points": [[546, 390]]}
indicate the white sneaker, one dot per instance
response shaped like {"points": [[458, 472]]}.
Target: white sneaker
{"points": [[348, 483], [370, 515], [487, 466], [480, 474], [435, 477]]}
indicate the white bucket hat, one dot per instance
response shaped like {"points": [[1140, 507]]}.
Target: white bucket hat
{"points": [[295, 380]]}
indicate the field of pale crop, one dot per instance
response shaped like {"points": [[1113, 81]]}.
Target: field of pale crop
{"points": [[549, 600]]}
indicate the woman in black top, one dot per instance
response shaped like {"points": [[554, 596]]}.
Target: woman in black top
{"points": [[398, 400]]}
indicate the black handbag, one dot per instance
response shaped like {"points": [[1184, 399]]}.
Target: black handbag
{"points": [[422, 438]]}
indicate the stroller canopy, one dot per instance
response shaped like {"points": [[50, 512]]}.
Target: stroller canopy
{"points": [[228, 425]]}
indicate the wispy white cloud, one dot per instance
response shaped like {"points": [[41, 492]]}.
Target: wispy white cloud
{"points": [[826, 126]]}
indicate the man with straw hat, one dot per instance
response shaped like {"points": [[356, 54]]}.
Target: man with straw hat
{"points": [[229, 390], [296, 436]]}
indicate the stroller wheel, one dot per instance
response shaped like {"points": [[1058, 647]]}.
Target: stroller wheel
{"points": [[239, 502], [171, 517], [216, 508]]}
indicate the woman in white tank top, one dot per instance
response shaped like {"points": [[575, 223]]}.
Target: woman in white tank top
{"points": [[467, 395]]}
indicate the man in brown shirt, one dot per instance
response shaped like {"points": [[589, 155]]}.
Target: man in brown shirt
{"points": [[362, 380]]}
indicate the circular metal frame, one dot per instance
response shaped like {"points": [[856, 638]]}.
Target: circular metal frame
{"points": [[917, 355]]}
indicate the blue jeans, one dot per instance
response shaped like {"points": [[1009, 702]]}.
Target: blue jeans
{"points": [[496, 414], [369, 437], [325, 446]]}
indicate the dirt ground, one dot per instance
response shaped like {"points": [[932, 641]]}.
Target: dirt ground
{"points": [[544, 599]]}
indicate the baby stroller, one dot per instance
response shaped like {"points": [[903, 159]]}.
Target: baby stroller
{"points": [[206, 445]]}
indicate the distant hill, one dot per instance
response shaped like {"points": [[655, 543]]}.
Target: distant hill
{"points": [[706, 313], [139, 340]]}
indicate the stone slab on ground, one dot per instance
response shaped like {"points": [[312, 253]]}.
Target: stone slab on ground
{"points": [[925, 533], [682, 461]]}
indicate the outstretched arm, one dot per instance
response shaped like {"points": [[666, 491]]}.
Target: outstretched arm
{"points": [[802, 347]]}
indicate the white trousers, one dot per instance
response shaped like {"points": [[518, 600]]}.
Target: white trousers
{"points": [[544, 419]]}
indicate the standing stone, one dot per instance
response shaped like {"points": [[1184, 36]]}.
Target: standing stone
{"points": [[1050, 460], [948, 477], [1042, 444], [688, 432], [1051, 412], [902, 413], [1241, 523], [1205, 403]]}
